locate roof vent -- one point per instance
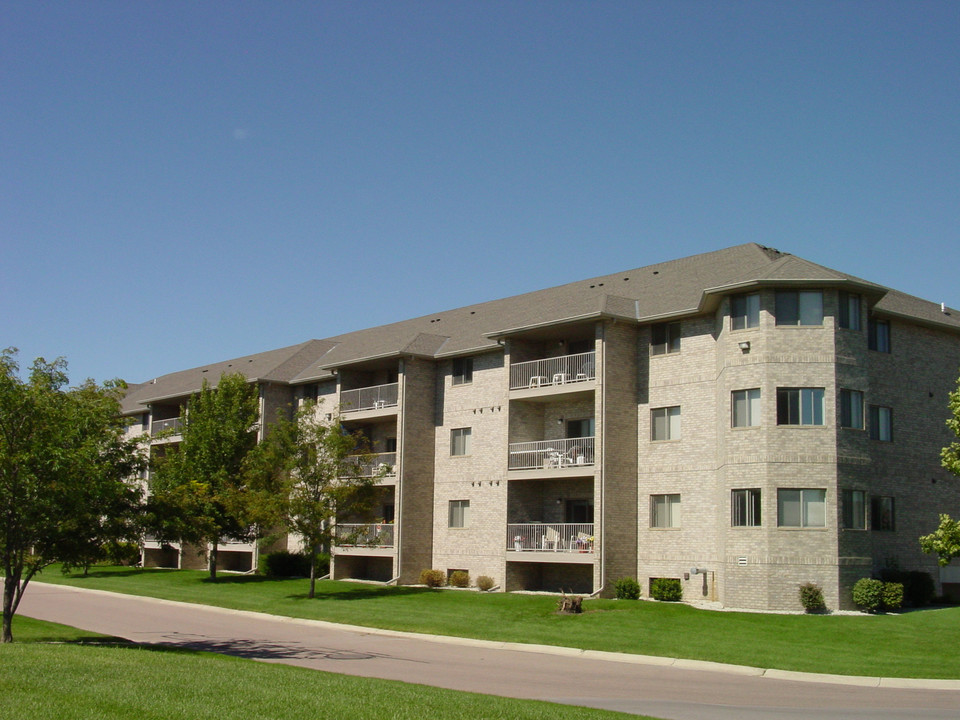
(943, 308)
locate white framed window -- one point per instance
(878, 335)
(745, 407)
(665, 338)
(459, 514)
(881, 423)
(849, 311)
(665, 423)
(806, 507)
(799, 406)
(745, 508)
(882, 516)
(665, 511)
(460, 441)
(744, 311)
(854, 509)
(462, 371)
(851, 409)
(799, 307)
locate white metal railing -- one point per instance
(168, 425)
(554, 371)
(551, 454)
(371, 465)
(364, 535)
(552, 537)
(369, 398)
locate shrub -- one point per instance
(121, 552)
(918, 587)
(284, 563)
(892, 596)
(666, 589)
(459, 578)
(627, 588)
(868, 594)
(432, 578)
(811, 597)
(484, 583)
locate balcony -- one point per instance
(364, 535)
(375, 397)
(170, 426)
(570, 454)
(546, 541)
(371, 465)
(554, 372)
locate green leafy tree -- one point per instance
(950, 455)
(65, 469)
(944, 542)
(306, 473)
(198, 489)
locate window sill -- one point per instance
(793, 528)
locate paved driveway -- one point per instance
(682, 691)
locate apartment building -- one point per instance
(743, 420)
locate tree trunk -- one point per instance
(213, 560)
(313, 576)
(9, 592)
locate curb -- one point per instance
(605, 655)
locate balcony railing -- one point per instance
(371, 465)
(378, 535)
(551, 537)
(551, 454)
(369, 398)
(553, 371)
(169, 425)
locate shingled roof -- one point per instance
(687, 286)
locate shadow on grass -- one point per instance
(366, 592)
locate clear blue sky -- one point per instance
(184, 182)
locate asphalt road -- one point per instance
(682, 691)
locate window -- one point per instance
(460, 441)
(745, 407)
(390, 444)
(854, 510)
(745, 311)
(881, 513)
(881, 423)
(462, 371)
(799, 307)
(459, 516)
(745, 508)
(665, 423)
(801, 508)
(665, 511)
(799, 406)
(849, 315)
(581, 428)
(665, 338)
(851, 409)
(578, 511)
(878, 335)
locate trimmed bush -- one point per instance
(811, 597)
(284, 563)
(459, 578)
(666, 589)
(868, 594)
(484, 583)
(918, 586)
(121, 552)
(627, 588)
(892, 596)
(432, 578)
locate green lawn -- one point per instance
(923, 643)
(80, 682)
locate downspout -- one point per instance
(603, 458)
(398, 488)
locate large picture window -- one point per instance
(799, 307)
(803, 508)
(799, 406)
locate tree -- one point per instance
(945, 540)
(198, 490)
(305, 473)
(65, 465)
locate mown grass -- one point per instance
(83, 682)
(922, 643)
